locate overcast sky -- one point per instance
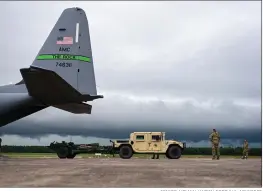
(179, 67)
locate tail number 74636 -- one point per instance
(63, 64)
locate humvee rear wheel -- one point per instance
(62, 153)
(126, 152)
(167, 155)
(71, 156)
(174, 152)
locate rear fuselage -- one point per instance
(14, 106)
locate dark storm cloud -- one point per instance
(193, 134)
(184, 120)
(116, 116)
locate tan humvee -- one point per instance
(148, 142)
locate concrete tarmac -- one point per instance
(110, 172)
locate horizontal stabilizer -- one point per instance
(48, 87)
(76, 108)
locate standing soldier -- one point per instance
(215, 140)
(245, 150)
(157, 154)
(112, 150)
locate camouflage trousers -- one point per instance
(155, 154)
(245, 153)
(215, 150)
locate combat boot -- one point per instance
(218, 158)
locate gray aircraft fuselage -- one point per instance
(14, 106)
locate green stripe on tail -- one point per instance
(63, 57)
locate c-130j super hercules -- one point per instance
(61, 76)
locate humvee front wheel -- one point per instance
(174, 152)
(62, 153)
(126, 152)
(71, 156)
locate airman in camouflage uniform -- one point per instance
(157, 154)
(215, 140)
(112, 151)
(245, 150)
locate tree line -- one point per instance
(188, 151)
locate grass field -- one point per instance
(53, 155)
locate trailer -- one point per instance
(70, 150)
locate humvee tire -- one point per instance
(126, 152)
(71, 156)
(167, 155)
(174, 152)
(62, 153)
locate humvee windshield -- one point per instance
(156, 137)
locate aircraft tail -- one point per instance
(67, 52)
(61, 75)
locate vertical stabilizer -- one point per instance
(67, 51)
